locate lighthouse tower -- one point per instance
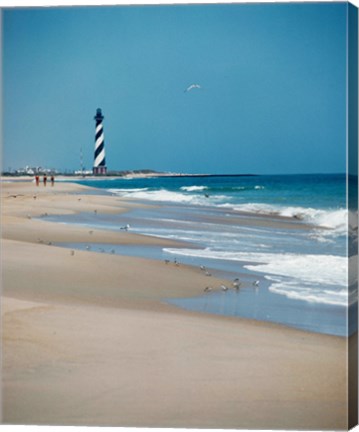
(99, 164)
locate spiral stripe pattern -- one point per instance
(99, 157)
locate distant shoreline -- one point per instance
(210, 175)
(144, 174)
(125, 175)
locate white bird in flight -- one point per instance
(191, 87)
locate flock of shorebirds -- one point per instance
(236, 284)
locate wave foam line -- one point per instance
(168, 196)
(193, 188)
(309, 277)
(335, 219)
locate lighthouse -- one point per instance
(99, 164)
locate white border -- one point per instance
(52, 3)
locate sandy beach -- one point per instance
(88, 340)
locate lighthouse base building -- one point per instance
(99, 165)
(101, 170)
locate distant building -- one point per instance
(83, 172)
(34, 170)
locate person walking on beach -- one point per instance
(45, 179)
(37, 180)
(52, 180)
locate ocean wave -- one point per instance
(127, 190)
(298, 290)
(333, 219)
(235, 189)
(308, 277)
(164, 195)
(193, 188)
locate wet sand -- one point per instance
(87, 339)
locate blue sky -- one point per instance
(272, 96)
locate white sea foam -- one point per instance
(164, 195)
(301, 290)
(309, 277)
(248, 188)
(161, 195)
(193, 188)
(127, 190)
(336, 220)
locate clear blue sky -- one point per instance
(273, 80)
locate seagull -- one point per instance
(208, 274)
(191, 87)
(256, 283)
(236, 283)
(207, 289)
(202, 267)
(224, 288)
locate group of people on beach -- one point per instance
(44, 179)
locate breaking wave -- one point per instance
(193, 188)
(307, 277)
(164, 195)
(332, 219)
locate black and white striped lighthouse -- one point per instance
(99, 164)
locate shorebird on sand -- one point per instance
(236, 283)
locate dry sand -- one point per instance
(88, 340)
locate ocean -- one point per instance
(284, 236)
